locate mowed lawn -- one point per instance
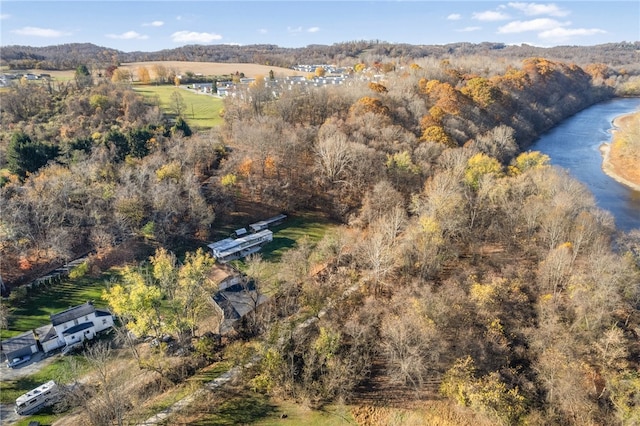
(35, 310)
(202, 111)
(239, 405)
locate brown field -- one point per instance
(205, 68)
(212, 68)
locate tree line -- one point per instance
(69, 56)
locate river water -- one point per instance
(574, 146)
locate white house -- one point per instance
(74, 325)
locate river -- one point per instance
(574, 146)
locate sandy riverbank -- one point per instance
(609, 166)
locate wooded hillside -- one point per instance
(467, 268)
(69, 56)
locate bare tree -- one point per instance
(103, 401)
(333, 157)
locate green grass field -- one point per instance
(202, 111)
(286, 235)
(35, 310)
(62, 370)
(243, 406)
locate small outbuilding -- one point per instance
(18, 346)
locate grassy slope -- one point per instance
(203, 111)
(61, 370)
(35, 310)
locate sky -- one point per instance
(150, 26)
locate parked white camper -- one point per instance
(38, 398)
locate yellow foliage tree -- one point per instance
(527, 161)
(143, 75)
(488, 393)
(137, 303)
(170, 171)
(368, 104)
(377, 87)
(481, 165)
(436, 133)
(228, 180)
(401, 161)
(481, 91)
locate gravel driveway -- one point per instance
(7, 414)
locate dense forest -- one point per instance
(462, 258)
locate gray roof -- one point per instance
(46, 333)
(18, 342)
(103, 313)
(237, 301)
(79, 327)
(72, 313)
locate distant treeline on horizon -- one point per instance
(69, 56)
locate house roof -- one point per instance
(72, 313)
(102, 313)
(46, 333)
(18, 342)
(79, 327)
(238, 300)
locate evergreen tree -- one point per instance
(26, 156)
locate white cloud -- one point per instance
(535, 9)
(40, 32)
(313, 30)
(561, 34)
(540, 24)
(194, 37)
(4, 16)
(454, 17)
(294, 29)
(153, 24)
(263, 31)
(468, 29)
(129, 35)
(490, 15)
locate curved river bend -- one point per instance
(574, 146)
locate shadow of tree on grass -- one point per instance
(242, 407)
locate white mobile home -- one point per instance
(264, 224)
(231, 249)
